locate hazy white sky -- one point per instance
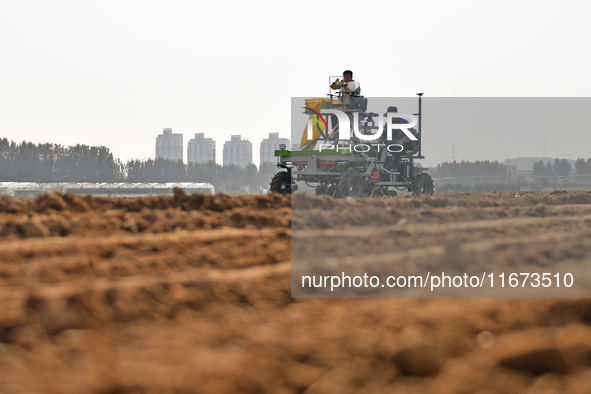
(116, 73)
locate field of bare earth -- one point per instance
(193, 293)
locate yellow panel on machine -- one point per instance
(316, 104)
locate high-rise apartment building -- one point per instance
(238, 151)
(201, 149)
(169, 146)
(270, 145)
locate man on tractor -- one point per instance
(348, 87)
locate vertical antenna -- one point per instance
(420, 123)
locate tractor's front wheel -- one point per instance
(422, 185)
(351, 184)
(281, 183)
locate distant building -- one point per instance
(238, 151)
(169, 146)
(270, 145)
(201, 149)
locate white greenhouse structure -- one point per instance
(104, 189)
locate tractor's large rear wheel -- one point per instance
(422, 185)
(351, 184)
(281, 183)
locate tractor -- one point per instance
(346, 151)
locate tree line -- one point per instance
(560, 167)
(583, 167)
(28, 162)
(467, 169)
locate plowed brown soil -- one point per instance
(192, 294)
